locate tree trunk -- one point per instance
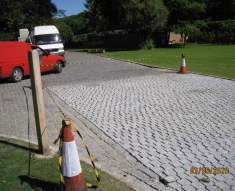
(167, 36)
(185, 36)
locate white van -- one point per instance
(48, 38)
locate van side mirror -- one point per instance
(28, 40)
(40, 54)
(40, 58)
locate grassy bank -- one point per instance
(216, 60)
(21, 170)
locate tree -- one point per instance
(130, 15)
(104, 14)
(186, 28)
(25, 14)
(65, 31)
(183, 13)
(220, 10)
(38, 12)
(60, 14)
(144, 16)
(78, 23)
(11, 15)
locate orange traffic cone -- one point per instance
(71, 178)
(183, 64)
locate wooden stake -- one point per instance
(38, 102)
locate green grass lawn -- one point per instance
(20, 170)
(216, 60)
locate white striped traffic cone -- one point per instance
(183, 64)
(71, 178)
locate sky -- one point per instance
(71, 7)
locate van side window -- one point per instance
(40, 51)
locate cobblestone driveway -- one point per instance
(167, 121)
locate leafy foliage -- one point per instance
(198, 20)
(220, 10)
(129, 15)
(25, 14)
(195, 19)
(65, 31)
(215, 32)
(77, 23)
(147, 44)
(146, 15)
(104, 14)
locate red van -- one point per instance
(14, 64)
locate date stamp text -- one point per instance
(209, 170)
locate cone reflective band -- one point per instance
(70, 165)
(183, 64)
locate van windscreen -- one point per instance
(47, 39)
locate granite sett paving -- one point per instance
(140, 123)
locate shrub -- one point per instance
(148, 44)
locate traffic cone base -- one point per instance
(183, 69)
(75, 183)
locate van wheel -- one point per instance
(16, 75)
(58, 67)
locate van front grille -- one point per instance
(52, 50)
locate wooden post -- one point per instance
(38, 102)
